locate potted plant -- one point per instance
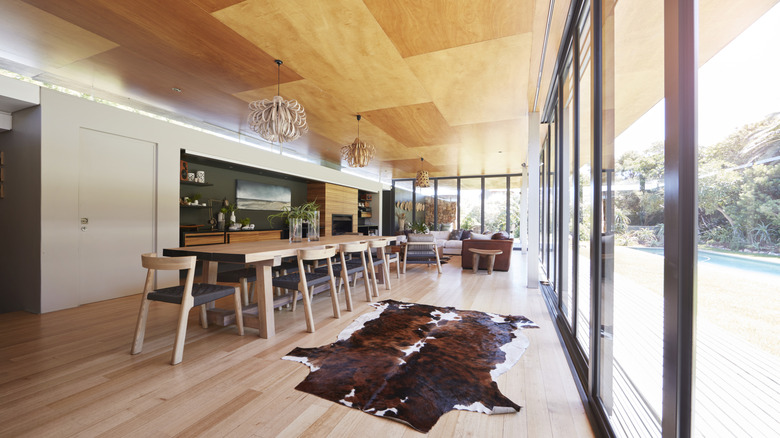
(420, 228)
(228, 208)
(295, 216)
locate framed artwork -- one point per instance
(252, 195)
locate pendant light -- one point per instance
(359, 153)
(277, 120)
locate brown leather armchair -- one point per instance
(502, 260)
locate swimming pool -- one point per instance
(755, 265)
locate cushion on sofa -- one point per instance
(455, 234)
(477, 236)
(501, 235)
(465, 234)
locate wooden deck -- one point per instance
(70, 373)
(737, 385)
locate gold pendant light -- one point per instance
(359, 153)
(422, 176)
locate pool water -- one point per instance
(770, 266)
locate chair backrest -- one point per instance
(377, 243)
(317, 253)
(422, 238)
(151, 261)
(353, 247)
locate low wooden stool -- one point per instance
(492, 253)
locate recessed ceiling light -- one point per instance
(176, 89)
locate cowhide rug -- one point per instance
(413, 362)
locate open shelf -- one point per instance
(195, 183)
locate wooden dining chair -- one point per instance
(378, 256)
(357, 264)
(187, 296)
(305, 282)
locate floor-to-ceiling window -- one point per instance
(614, 188)
(515, 210)
(496, 204)
(737, 392)
(403, 204)
(461, 203)
(471, 204)
(632, 206)
(568, 188)
(447, 203)
(584, 185)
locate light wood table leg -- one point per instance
(265, 298)
(475, 260)
(490, 264)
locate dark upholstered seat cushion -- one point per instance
(352, 267)
(201, 292)
(420, 254)
(290, 281)
(236, 275)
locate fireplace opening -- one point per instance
(342, 224)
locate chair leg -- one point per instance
(239, 309)
(307, 310)
(181, 334)
(295, 300)
(438, 262)
(140, 326)
(245, 290)
(204, 320)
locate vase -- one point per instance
(314, 227)
(296, 229)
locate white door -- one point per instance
(117, 180)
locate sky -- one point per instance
(739, 85)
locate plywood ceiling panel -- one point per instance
(414, 125)
(123, 72)
(338, 45)
(450, 80)
(38, 39)
(483, 82)
(417, 27)
(177, 34)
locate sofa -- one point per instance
(502, 260)
(447, 246)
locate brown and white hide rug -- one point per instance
(413, 362)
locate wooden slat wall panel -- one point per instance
(333, 199)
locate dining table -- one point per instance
(263, 256)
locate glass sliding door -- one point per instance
(423, 205)
(515, 210)
(471, 204)
(495, 204)
(584, 184)
(568, 190)
(737, 362)
(447, 203)
(403, 204)
(632, 205)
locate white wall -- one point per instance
(63, 116)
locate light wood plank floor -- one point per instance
(70, 373)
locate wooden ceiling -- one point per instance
(448, 80)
